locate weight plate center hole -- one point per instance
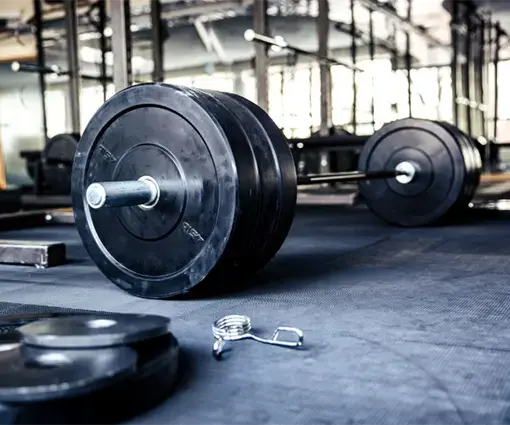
(100, 323)
(406, 172)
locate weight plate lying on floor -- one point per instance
(438, 185)
(94, 331)
(14, 321)
(33, 375)
(164, 132)
(157, 373)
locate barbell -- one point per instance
(176, 188)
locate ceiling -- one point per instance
(185, 48)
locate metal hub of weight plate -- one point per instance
(439, 184)
(164, 132)
(285, 173)
(35, 375)
(94, 331)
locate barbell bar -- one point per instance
(53, 70)
(176, 189)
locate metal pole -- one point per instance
(353, 59)
(261, 57)
(481, 79)
(121, 43)
(325, 69)
(468, 71)
(371, 47)
(455, 60)
(41, 62)
(157, 41)
(497, 47)
(408, 63)
(73, 64)
(102, 46)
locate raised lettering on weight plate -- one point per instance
(107, 155)
(191, 232)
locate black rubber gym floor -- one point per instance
(401, 326)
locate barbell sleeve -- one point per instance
(143, 192)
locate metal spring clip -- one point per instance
(237, 327)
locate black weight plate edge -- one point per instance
(51, 382)
(366, 154)
(51, 151)
(85, 331)
(468, 165)
(242, 244)
(159, 371)
(473, 165)
(285, 161)
(168, 97)
(270, 179)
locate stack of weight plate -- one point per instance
(85, 368)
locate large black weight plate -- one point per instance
(438, 185)
(162, 131)
(286, 172)
(269, 180)
(238, 257)
(94, 331)
(57, 160)
(33, 375)
(473, 163)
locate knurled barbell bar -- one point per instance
(173, 187)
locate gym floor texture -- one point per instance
(401, 325)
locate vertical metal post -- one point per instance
(41, 62)
(455, 60)
(157, 41)
(102, 46)
(121, 43)
(468, 68)
(481, 77)
(73, 64)
(354, 54)
(261, 56)
(497, 48)
(371, 48)
(325, 69)
(408, 63)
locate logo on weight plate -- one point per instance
(107, 155)
(191, 232)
